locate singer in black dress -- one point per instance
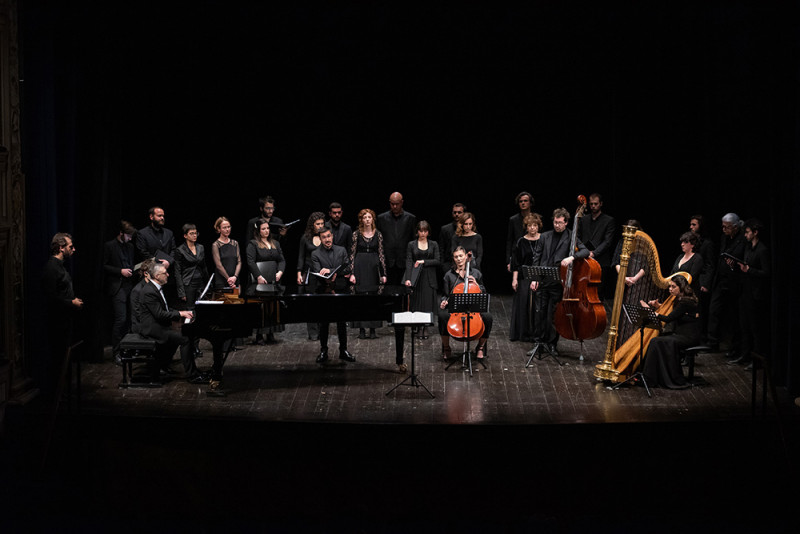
(523, 305)
(423, 254)
(367, 265)
(263, 248)
(227, 258)
(467, 236)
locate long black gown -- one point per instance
(523, 305)
(424, 297)
(662, 362)
(256, 255)
(368, 265)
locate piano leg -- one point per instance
(215, 384)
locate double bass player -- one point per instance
(553, 249)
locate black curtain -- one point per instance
(668, 110)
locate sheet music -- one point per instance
(208, 285)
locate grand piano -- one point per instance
(227, 315)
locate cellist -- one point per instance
(452, 278)
(553, 249)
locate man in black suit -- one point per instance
(553, 250)
(326, 259)
(398, 227)
(342, 232)
(597, 231)
(118, 263)
(266, 205)
(154, 237)
(516, 228)
(155, 321)
(60, 306)
(754, 298)
(446, 233)
(723, 311)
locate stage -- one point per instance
(296, 445)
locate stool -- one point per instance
(689, 355)
(136, 348)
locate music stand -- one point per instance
(468, 303)
(412, 380)
(541, 273)
(641, 318)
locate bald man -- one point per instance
(397, 227)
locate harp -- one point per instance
(623, 352)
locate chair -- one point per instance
(689, 354)
(136, 348)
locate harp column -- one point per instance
(605, 370)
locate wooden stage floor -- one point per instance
(296, 447)
(282, 382)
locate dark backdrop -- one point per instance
(668, 110)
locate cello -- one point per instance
(580, 315)
(466, 326)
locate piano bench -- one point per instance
(135, 348)
(689, 354)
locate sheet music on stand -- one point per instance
(468, 303)
(641, 316)
(541, 273)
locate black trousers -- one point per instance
(120, 307)
(723, 314)
(550, 294)
(341, 332)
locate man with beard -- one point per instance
(342, 232)
(60, 307)
(447, 231)
(266, 206)
(326, 259)
(597, 231)
(553, 250)
(516, 228)
(118, 268)
(154, 237)
(754, 298)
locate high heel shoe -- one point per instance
(446, 353)
(480, 352)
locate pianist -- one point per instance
(155, 321)
(329, 268)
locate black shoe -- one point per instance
(362, 334)
(117, 360)
(749, 366)
(323, 356)
(737, 360)
(167, 371)
(553, 349)
(313, 338)
(372, 334)
(346, 356)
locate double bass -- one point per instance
(466, 326)
(580, 315)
